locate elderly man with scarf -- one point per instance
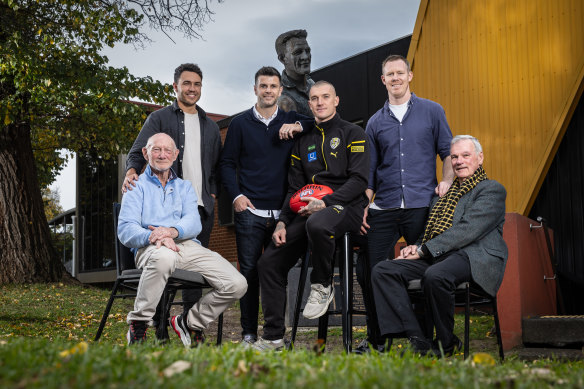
(462, 241)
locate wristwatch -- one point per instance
(423, 251)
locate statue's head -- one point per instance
(294, 53)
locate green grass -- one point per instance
(46, 334)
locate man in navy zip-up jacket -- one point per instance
(254, 168)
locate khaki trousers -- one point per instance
(158, 264)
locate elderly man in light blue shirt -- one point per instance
(159, 219)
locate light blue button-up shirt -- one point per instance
(151, 204)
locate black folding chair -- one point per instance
(467, 295)
(128, 278)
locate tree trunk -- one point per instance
(26, 251)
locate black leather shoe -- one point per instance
(420, 345)
(453, 347)
(365, 347)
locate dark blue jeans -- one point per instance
(386, 227)
(252, 235)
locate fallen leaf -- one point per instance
(176, 368)
(155, 354)
(482, 359)
(79, 348)
(241, 368)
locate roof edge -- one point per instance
(558, 131)
(417, 32)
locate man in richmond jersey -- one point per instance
(334, 153)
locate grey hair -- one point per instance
(475, 141)
(150, 142)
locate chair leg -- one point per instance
(467, 321)
(498, 329)
(322, 331)
(167, 298)
(108, 308)
(299, 296)
(346, 277)
(350, 308)
(220, 329)
(371, 309)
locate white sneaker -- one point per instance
(268, 345)
(318, 301)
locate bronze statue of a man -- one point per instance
(294, 53)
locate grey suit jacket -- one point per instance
(477, 229)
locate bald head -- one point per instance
(160, 152)
(323, 101)
(160, 137)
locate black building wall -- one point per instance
(560, 202)
(358, 80)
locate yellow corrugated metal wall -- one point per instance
(508, 72)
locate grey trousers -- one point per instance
(158, 264)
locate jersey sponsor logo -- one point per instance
(334, 154)
(311, 156)
(357, 149)
(311, 147)
(335, 142)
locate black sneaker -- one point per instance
(249, 338)
(137, 332)
(362, 348)
(198, 338)
(365, 347)
(179, 325)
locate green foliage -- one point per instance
(51, 202)
(54, 77)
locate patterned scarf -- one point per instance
(440, 218)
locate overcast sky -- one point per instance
(241, 40)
